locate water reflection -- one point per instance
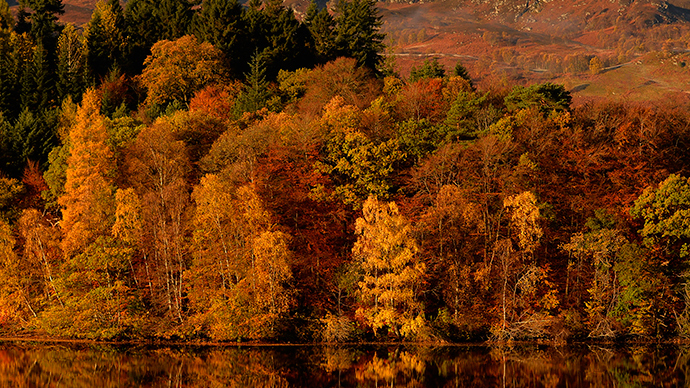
(74, 365)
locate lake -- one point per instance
(30, 364)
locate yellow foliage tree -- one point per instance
(525, 218)
(392, 271)
(241, 268)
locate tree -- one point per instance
(220, 22)
(595, 65)
(157, 167)
(256, 93)
(429, 69)
(44, 27)
(666, 214)
(461, 71)
(143, 30)
(38, 91)
(387, 256)
(11, 298)
(87, 202)
(357, 32)
(359, 166)
(105, 38)
(6, 18)
(546, 97)
(176, 70)
(321, 26)
(72, 64)
(16, 59)
(174, 17)
(241, 264)
(599, 247)
(286, 40)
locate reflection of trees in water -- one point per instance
(366, 366)
(399, 369)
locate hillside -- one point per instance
(550, 41)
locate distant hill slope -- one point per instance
(567, 16)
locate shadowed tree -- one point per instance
(357, 32)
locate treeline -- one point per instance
(43, 62)
(335, 203)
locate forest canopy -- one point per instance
(213, 171)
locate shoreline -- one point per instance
(430, 344)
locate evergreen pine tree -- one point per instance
(286, 40)
(256, 25)
(142, 29)
(357, 32)
(44, 17)
(175, 17)
(256, 93)
(105, 38)
(321, 26)
(220, 23)
(461, 71)
(431, 68)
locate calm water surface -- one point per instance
(25, 364)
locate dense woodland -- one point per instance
(212, 171)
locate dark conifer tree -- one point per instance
(357, 32)
(43, 18)
(142, 31)
(174, 17)
(287, 40)
(256, 93)
(321, 26)
(220, 22)
(43, 82)
(10, 86)
(105, 39)
(256, 25)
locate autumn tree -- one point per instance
(597, 248)
(388, 258)
(526, 296)
(340, 77)
(157, 166)
(6, 18)
(87, 202)
(11, 301)
(241, 263)
(360, 166)
(176, 70)
(666, 214)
